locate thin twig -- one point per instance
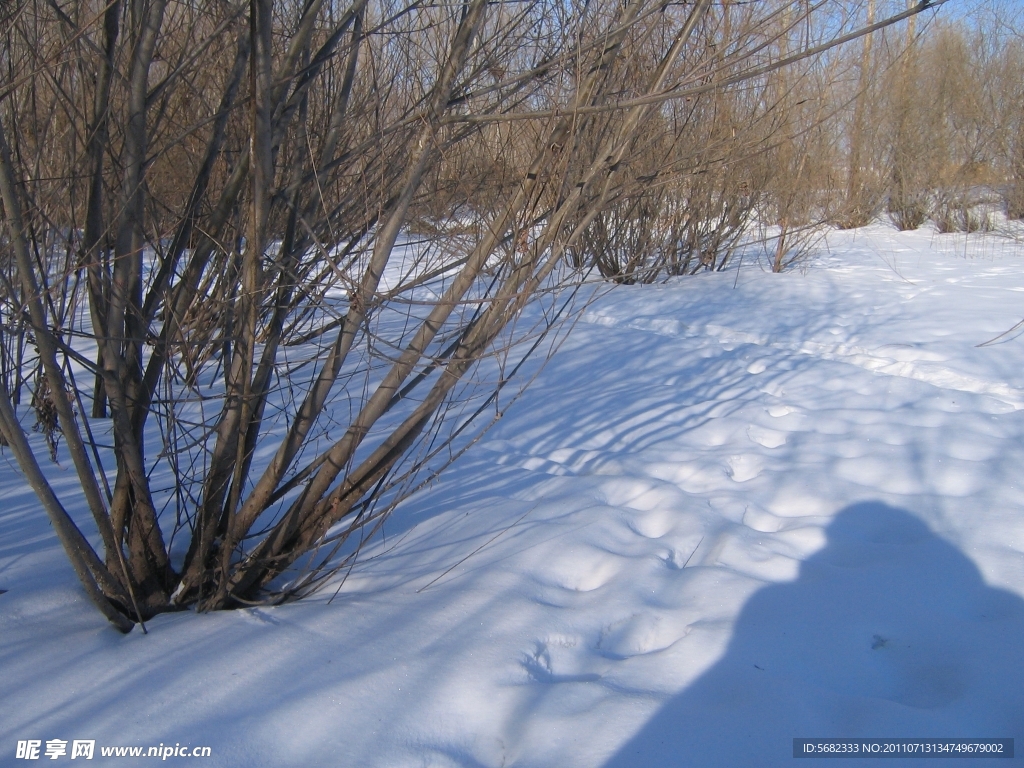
(495, 536)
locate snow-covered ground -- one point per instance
(731, 511)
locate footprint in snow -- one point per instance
(640, 634)
(769, 438)
(743, 467)
(555, 661)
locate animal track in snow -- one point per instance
(762, 521)
(745, 466)
(580, 568)
(557, 660)
(769, 438)
(899, 360)
(653, 524)
(640, 634)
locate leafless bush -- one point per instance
(958, 212)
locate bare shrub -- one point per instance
(960, 213)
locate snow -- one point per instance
(732, 510)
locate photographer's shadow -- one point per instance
(889, 631)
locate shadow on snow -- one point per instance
(889, 631)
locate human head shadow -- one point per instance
(888, 631)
